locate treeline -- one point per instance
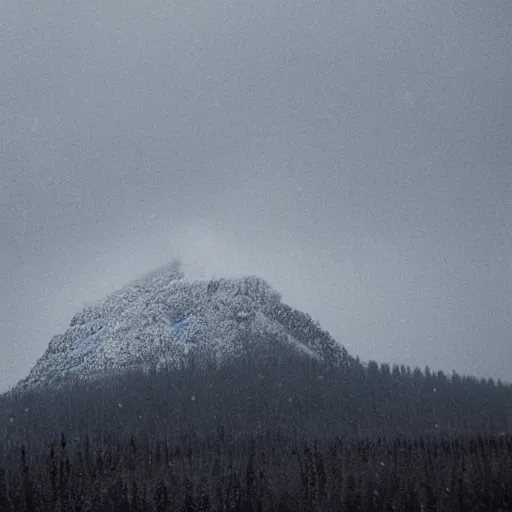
(272, 472)
(268, 429)
(265, 386)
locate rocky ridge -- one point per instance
(163, 319)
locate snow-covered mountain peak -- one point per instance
(162, 318)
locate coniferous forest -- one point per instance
(267, 430)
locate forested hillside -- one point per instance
(269, 429)
(267, 472)
(265, 386)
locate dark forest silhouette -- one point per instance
(269, 429)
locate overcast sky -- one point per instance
(357, 155)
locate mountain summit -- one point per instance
(163, 319)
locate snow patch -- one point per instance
(88, 343)
(179, 324)
(165, 317)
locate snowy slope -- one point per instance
(162, 318)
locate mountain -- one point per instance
(164, 320)
(287, 421)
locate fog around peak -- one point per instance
(355, 156)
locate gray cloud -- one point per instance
(356, 156)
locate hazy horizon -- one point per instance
(357, 157)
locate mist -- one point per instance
(356, 156)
